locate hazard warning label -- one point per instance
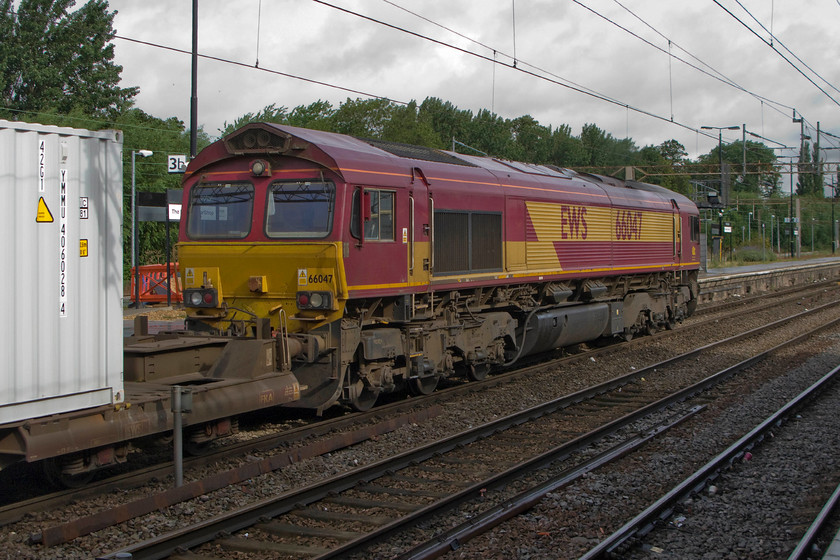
(44, 215)
(302, 277)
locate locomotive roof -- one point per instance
(353, 157)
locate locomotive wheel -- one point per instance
(478, 372)
(423, 385)
(364, 396)
(364, 399)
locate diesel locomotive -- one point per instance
(359, 267)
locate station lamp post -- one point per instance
(749, 226)
(134, 245)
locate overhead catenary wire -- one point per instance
(712, 72)
(786, 59)
(775, 105)
(560, 81)
(772, 38)
(267, 70)
(519, 68)
(259, 22)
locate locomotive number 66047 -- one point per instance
(376, 266)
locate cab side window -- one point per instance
(378, 208)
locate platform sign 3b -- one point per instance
(176, 163)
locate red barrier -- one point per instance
(153, 283)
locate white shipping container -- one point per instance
(61, 341)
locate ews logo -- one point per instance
(573, 222)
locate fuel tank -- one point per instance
(564, 326)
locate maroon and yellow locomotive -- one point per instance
(372, 266)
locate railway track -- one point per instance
(396, 412)
(578, 363)
(441, 465)
(645, 523)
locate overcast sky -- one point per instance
(577, 43)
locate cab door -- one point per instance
(677, 232)
(377, 255)
(417, 234)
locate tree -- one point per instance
(317, 115)
(761, 176)
(566, 150)
(362, 117)
(145, 132)
(406, 126)
(603, 150)
(532, 141)
(55, 60)
(673, 151)
(810, 181)
(446, 120)
(271, 114)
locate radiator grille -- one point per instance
(467, 242)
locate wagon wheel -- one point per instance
(53, 470)
(423, 385)
(197, 448)
(363, 396)
(478, 372)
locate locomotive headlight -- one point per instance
(201, 297)
(260, 168)
(314, 300)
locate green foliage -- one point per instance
(270, 114)
(317, 115)
(745, 256)
(761, 179)
(406, 126)
(52, 60)
(163, 137)
(810, 177)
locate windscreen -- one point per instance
(300, 209)
(220, 211)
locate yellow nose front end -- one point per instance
(227, 286)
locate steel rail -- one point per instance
(803, 549)
(11, 513)
(204, 532)
(14, 512)
(483, 522)
(664, 507)
(487, 520)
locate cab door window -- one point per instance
(378, 217)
